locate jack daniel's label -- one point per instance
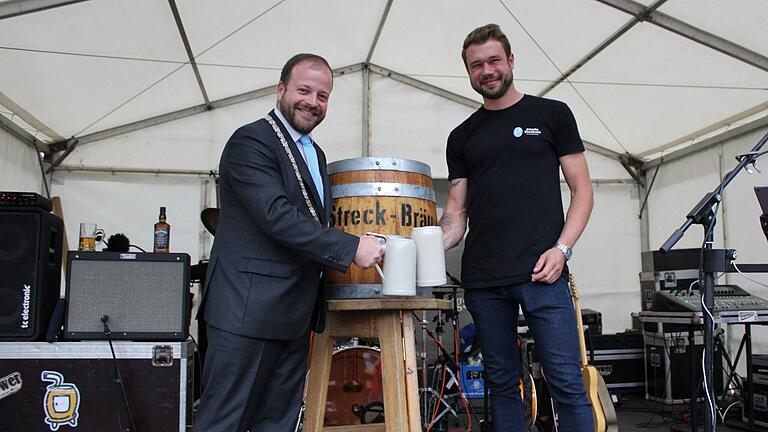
(161, 238)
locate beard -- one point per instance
(501, 90)
(297, 119)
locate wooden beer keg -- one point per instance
(381, 195)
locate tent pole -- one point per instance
(366, 99)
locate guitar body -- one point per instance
(527, 388)
(603, 412)
(591, 377)
(529, 398)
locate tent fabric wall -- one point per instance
(607, 261)
(196, 142)
(412, 125)
(91, 66)
(682, 183)
(743, 231)
(678, 187)
(129, 204)
(606, 258)
(121, 202)
(19, 166)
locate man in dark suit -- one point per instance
(264, 290)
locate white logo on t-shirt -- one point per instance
(518, 132)
(532, 131)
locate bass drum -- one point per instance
(354, 387)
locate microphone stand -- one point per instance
(703, 214)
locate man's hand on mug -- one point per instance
(369, 252)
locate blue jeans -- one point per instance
(548, 310)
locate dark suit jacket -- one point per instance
(264, 274)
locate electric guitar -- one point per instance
(602, 406)
(527, 389)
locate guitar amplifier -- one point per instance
(145, 296)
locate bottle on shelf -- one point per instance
(162, 237)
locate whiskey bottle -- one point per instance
(162, 234)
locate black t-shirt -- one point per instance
(510, 160)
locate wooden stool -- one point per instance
(391, 321)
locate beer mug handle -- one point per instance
(381, 273)
(383, 242)
(381, 236)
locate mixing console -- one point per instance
(727, 298)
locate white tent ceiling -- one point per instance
(643, 78)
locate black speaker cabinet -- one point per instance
(145, 296)
(668, 370)
(30, 271)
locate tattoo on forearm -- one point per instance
(456, 182)
(446, 221)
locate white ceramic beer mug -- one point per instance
(399, 275)
(430, 256)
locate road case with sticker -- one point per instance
(760, 390)
(72, 386)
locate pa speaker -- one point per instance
(141, 296)
(30, 271)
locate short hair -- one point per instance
(482, 35)
(285, 74)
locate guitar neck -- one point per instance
(580, 325)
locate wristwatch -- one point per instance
(567, 251)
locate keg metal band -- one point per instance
(374, 163)
(383, 189)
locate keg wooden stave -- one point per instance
(388, 196)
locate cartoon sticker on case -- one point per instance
(61, 402)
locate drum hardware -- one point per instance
(210, 219)
(354, 387)
(300, 420)
(432, 400)
(372, 413)
(444, 401)
(441, 410)
(197, 271)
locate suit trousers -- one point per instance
(251, 384)
(548, 310)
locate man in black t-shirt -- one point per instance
(503, 164)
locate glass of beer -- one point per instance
(87, 237)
